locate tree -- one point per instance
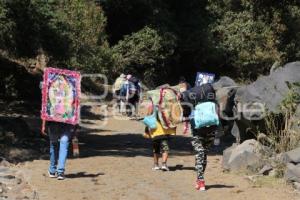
(144, 53)
(248, 40)
(6, 27)
(254, 34)
(82, 23)
(291, 37)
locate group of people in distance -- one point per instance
(127, 90)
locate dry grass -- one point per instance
(279, 132)
(279, 135)
(267, 181)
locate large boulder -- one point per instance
(270, 90)
(227, 156)
(292, 172)
(291, 156)
(225, 89)
(224, 81)
(243, 157)
(265, 94)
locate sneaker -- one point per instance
(200, 185)
(60, 176)
(164, 167)
(51, 175)
(155, 168)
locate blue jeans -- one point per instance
(59, 150)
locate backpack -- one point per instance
(169, 108)
(123, 90)
(151, 120)
(205, 115)
(134, 87)
(118, 84)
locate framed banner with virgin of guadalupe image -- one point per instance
(61, 96)
(204, 77)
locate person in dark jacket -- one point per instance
(203, 138)
(60, 135)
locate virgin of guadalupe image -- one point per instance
(61, 98)
(205, 79)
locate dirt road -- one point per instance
(116, 163)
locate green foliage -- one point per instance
(70, 32)
(129, 16)
(291, 37)
(73, 33)
(144, 53)
(151, 38)
(292, 99)
(30, 19)
(83, 24)
(255, 34)
(6, 26)
(280, 134)
(249, 42)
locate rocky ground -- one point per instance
(13, 184)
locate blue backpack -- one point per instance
(205, 115)
(151, 120)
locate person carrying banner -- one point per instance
(60, 115)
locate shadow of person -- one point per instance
(83, 175)
(180, 167)
(218, 186)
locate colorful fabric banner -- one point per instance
(61, 96)
(203, 78)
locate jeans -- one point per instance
(59, 145)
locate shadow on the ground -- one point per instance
(218, 186)
(133, 144)
(92, 116)
(20, 141)
(180, 167)
(128, 145)
(87, 122)
(83, 175)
